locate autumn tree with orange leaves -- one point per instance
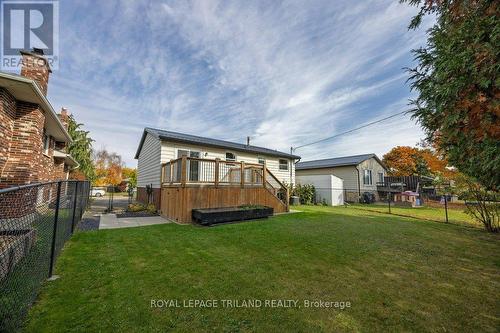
(108, 168)
(410, 161)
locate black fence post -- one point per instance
(74, 208)
(89, 194)
(389, 201)
(54, 235)
(446, 207)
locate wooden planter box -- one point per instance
(17, 246)
(209, 216)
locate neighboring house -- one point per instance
(360, 173)
(33, 138)
(208, 163)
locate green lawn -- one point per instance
(455, 215)
(399, 274)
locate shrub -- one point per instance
(306, 193)
(136, 207)
(482, 205)
(151, 208)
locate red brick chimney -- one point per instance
(35, 66)
(64, 117)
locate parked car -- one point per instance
(97, 192)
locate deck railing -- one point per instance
(191, 171)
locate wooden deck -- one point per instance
(191, 183)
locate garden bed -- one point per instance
(136, 214)
(209, 216)
(14, 245)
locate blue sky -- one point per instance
(282, 72)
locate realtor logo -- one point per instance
(27, 25)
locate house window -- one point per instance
(193, 166)
(46, 144)
(283, 164)
(261, 160)
(380, 177)
(230, 157)
(367, 177)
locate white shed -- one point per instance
(328, 188)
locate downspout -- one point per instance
(359, 183)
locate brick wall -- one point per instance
(7, 117)
(22, 156)
(25, 146)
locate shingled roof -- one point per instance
(203, 141)
(336, 162)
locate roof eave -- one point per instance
(44, 103)
(277, 154)
(141, 143)
(160, 137)
(325, 166)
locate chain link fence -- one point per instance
(424, 205)
(35, 222)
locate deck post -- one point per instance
(171, 171)
(264, 168)
(287, 198)
(242, 174)
(216, 174)
(162, 176)
(183, 170)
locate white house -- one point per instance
(360, 173)
(158, 147)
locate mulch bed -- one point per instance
(89, 223)
(135, 214)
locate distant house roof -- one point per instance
(336, 162)
(198, 140)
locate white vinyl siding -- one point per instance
(149, 163)
(169, 152)
(349, 174)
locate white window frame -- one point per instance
(259, 159)
(369, 173)
(189, 151)
(230, 160)
(383, 175)
(280, 165)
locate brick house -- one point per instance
(33, 137)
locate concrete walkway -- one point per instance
(110, 221)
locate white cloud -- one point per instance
(283, 73)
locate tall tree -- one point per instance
(81, 150)
(131, 175)
(408, 161)
(108, 168)
(458, 86)
(405, 161)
